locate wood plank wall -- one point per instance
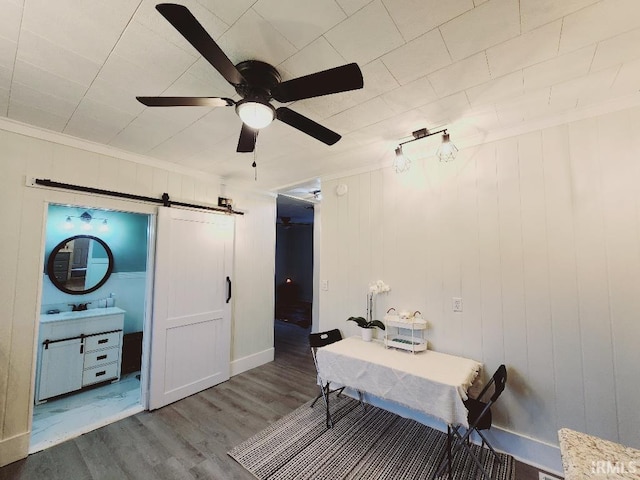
(22, 210)
(540, 236)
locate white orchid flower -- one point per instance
(378, 287)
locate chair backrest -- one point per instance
(321, 339)
(499, 379)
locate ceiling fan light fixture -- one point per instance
(256, 83)
(256, 114)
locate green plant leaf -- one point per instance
(362, 323)
(377, 323)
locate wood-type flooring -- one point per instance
(189, 439)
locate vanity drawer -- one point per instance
(100, 374)
(101, 357)
(104, 340)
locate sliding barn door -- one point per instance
(191, 327)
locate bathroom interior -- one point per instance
(95, 288)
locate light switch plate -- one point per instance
(457, 304)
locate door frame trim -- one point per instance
(147, 321)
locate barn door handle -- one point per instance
(228, 289)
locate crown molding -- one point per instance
(383, 157)
(27, 130)
(534, 125)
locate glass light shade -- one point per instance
(401, 163)
(86, 221)
(68, 224)
(104, 227)
(447, 150)
(255, 114)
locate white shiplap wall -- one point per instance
(540, 236)
(22, 210)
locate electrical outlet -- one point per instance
(324, 285)
(457, 304)
(546, 476)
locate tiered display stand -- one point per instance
(405, 333)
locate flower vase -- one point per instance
(367, 334)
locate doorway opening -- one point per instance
(294, 270)
(95, 290)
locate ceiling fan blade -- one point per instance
(183, 20)
(186, 101)
(307, 126)
(335, 80)
(247, 140)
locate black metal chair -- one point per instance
(317, 340)
(479, 418)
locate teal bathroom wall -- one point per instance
(126, 236)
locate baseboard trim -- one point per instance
(531, 451)
(252, 361)
(540, 455)
(14, 448)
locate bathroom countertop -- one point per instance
(585, 456)
(92, 312)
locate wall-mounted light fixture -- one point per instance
(85, 218)
(401, 163)
(85, 222)
(446, 152)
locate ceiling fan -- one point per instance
(257, 83)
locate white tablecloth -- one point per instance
(430, 382)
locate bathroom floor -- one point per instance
(70, 416)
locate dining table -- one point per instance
(430, 382)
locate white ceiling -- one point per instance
(473, 66)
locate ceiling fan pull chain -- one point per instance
(255, 156)
(255, 166)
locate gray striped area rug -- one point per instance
(372, 445)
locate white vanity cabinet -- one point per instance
(77, 349)
(102, 357)
(61, 368)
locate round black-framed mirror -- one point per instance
(80, 264)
